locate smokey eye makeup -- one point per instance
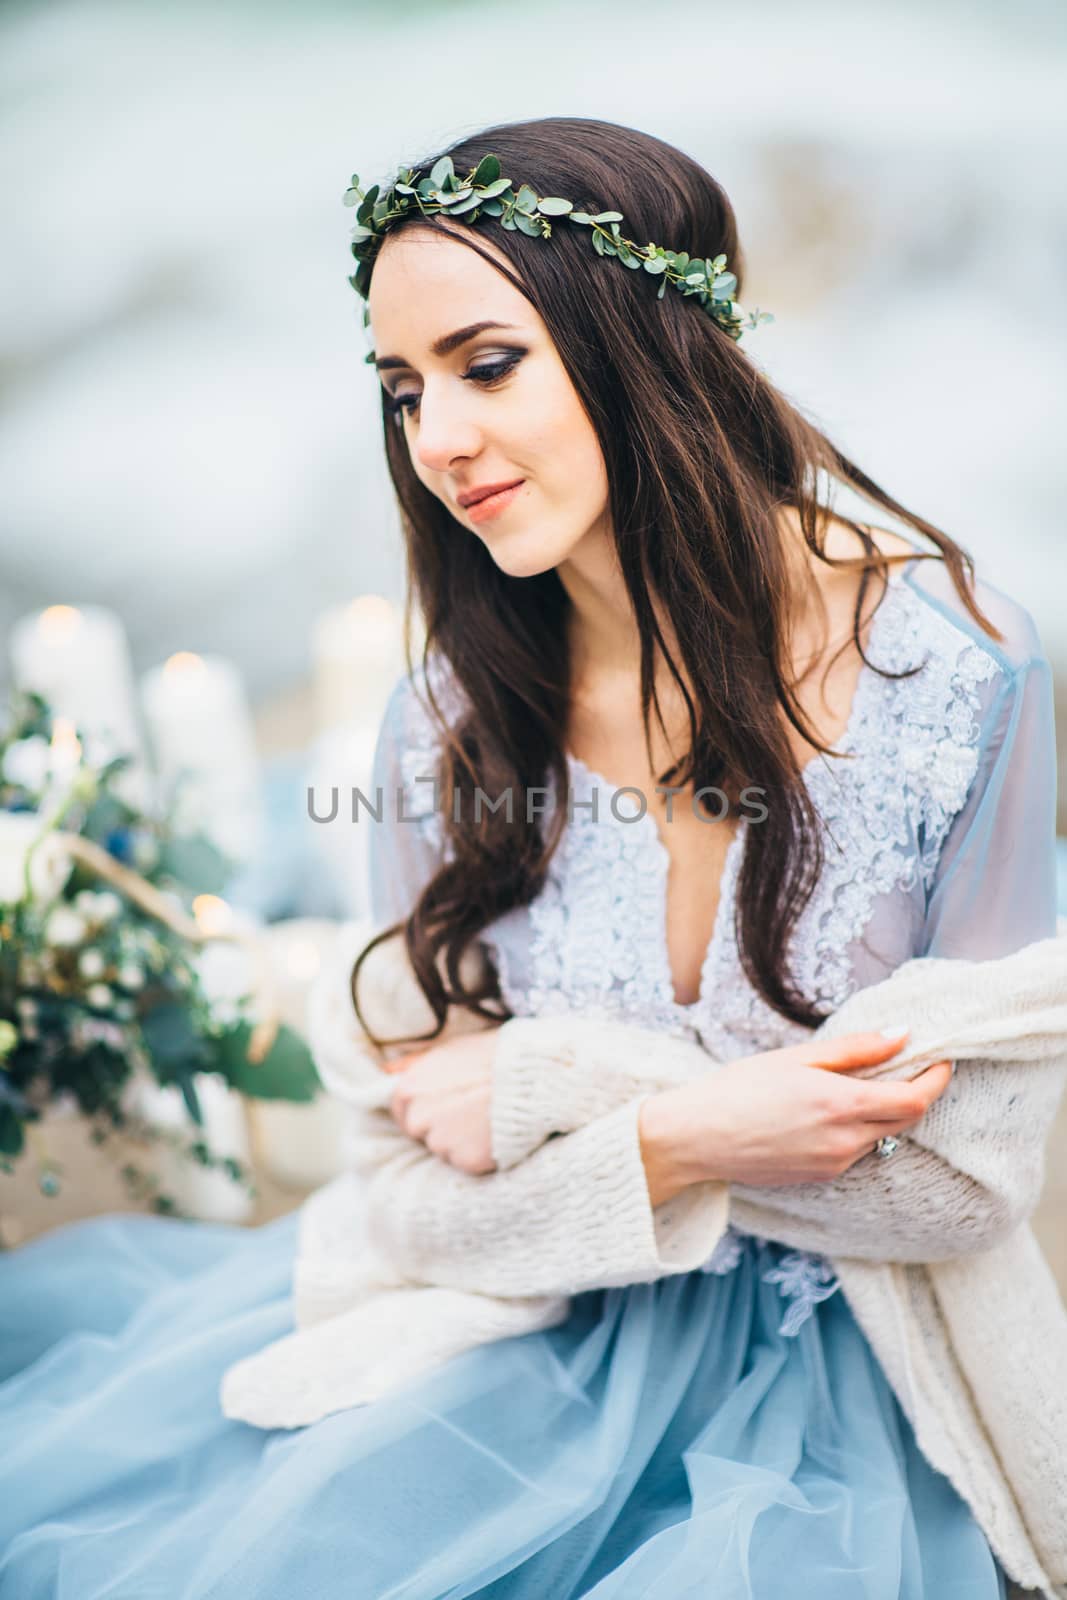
(485, 373)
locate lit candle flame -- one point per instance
(213, 914)
(183, 661)
(65, 745)
(57, 623)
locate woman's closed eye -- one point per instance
(487, 373)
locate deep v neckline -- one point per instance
(645, 827)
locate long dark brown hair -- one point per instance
(702, 453)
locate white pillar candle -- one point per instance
(77, 657)
(358, 652)
(210, 1195)
(299, 1145)
(200, 726)
(228, 973)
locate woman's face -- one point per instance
(496, 408)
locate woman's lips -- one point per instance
(493, 504)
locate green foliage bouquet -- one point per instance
(102, 964)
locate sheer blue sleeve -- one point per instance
(404, 846)
(994, 888)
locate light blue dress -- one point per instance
(722, 1432)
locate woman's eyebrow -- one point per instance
(445, 345)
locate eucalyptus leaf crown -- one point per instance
(483, 192)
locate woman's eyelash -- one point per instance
(487, 373)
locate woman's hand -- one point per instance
(443, 1097)
(769, 1120)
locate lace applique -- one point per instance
(726, 1254)
(802, 1277)
(594, 939)
(887, 811)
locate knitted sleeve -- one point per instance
(576, 1215)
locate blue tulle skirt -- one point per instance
(667, 1440)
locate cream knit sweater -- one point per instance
(405, 1261)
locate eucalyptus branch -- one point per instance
(483, 192)
(156, 904)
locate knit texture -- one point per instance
(404, 1261)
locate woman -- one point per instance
(725, 1430)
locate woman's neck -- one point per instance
(605, 645)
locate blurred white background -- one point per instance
(188, 434)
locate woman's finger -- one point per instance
(907, 1098)
(854, 1050)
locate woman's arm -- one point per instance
(491, 1234)
(980, 1146)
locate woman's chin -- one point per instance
(521, 555)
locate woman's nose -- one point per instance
(446, 433)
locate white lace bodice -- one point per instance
(594, 940)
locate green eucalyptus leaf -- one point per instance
(355, 180)
(598, 243)
(287, 1071)
(442, 170)
(351, 197)
(581, 216)
(492, 208)
(631, 261)
(661, 289)
(466, 204)
(608, 248)
(526, 225)
(498, 186)
(172, 1040)
(404, 188)
(526, 199)
(488, 170)
(11, 1134)
(608, 216)
(367, 207)
(187, 1086)
(194, 862)
(450, 199)
(695, 277)
(508, 222)
(656, 265)
(554, 207)
(359, 233)
(426, 187)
